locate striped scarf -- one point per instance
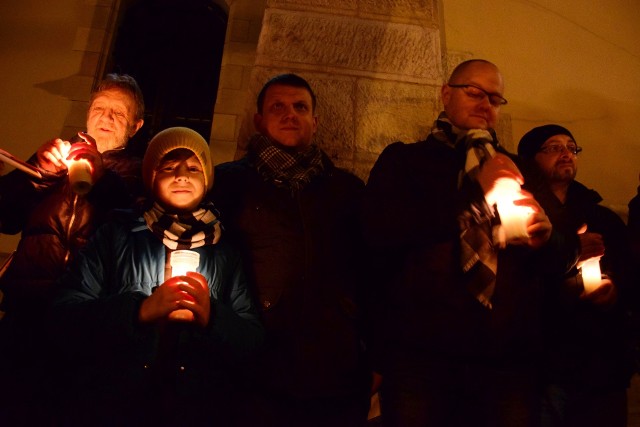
(478, 222)
(184, 231)
(285, 168)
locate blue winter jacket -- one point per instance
(108, 356)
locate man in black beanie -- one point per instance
(587, 359)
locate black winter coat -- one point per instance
(588, 346)
(301, 253)
(410, 212)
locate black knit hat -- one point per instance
(531, 142)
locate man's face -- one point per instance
(179, 184)
(473, 112)
(560, 166)
(287, 116)
(111, 119)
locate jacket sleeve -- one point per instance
(235, 318)
(19, 196)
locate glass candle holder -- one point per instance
(591, 274)
(184, 260)
(80, 176)
(513, 218)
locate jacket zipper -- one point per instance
(71, 221)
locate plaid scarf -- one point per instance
(478, 222)
(284, 168)
(184, 231)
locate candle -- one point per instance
(182, 261)
(591, 275)
(513, 218)
(80, 176)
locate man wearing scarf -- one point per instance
(293, 214)
(457, 343)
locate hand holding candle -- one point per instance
(513, 218)
(182, 262)
(181, 298)
(186, 288)
(84, 163)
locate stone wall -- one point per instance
(376, 68)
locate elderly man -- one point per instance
(294, 215)
(457, 343)
(55, 222)
(588, 356)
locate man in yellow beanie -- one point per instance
(157, 349)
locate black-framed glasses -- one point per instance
(478, 94)
(559, 148)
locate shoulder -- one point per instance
(231, 175)
(235, 167)
(415, 150)
(340, 175)
(122, 162)
(428, 156)
(120, 224)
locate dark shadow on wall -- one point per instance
(173, 48)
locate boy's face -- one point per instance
(179, 184)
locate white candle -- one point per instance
(80, 176)
(182, 261)
(591, 275)
(513, 218)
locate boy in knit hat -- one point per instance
(149, 348)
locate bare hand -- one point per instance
(87, 150)
(604, 296)
(181, 298)
(499, 166)
(52, 155)
(591, 245)
(538, 224)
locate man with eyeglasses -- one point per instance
(456, 342)
(588, 359)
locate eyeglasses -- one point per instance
(478, 94)
(559, 148)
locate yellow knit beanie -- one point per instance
(171, 139)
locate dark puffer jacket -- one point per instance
(301, 254)
(55, 223)
(118, 371)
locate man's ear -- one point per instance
(445, 93)
(136, 127)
